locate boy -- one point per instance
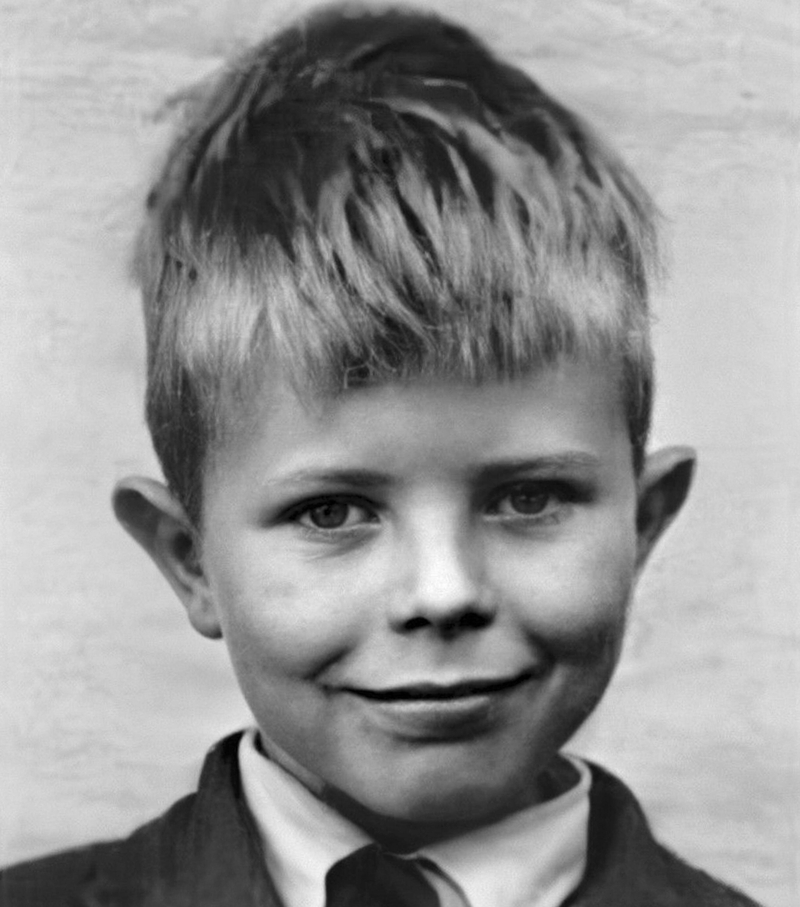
(399, 381)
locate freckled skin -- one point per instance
(430, 532)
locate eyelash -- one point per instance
(555, 495)
(297, 513)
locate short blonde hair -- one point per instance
(373, 196)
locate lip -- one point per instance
(430, 712)
(434, 691)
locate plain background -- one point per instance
(109, 700)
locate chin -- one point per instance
(422, 804)
(469, 802)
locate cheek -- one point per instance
(573, 596)
(285, 614)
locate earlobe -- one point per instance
(662, 490)
(150, 514)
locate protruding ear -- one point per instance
(662, 489)
(148, 511)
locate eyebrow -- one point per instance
(365, 479)
(549, 464)
(357, 478)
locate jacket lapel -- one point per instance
(627, 867)
(204, 852)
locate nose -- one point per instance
(445, 589)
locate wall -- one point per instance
(110, 700)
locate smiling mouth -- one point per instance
(443, 692)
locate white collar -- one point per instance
(535, 857)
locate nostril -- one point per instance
(416, 623)
(473, 620)
(465, 622)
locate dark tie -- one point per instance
(371, 878)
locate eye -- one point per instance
(529, 499)
(330, 514)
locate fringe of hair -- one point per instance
(354, 229)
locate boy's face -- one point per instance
(423, 587)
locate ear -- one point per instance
(150, 514)
(662, 488)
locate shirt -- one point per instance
(535, 857)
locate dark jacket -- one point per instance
(205, 852)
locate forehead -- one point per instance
(571, 406)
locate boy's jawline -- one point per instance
(400, 836)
